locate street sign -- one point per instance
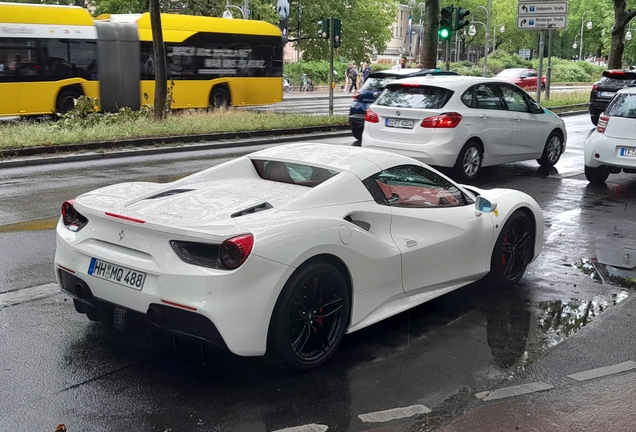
(551, 8)
(542, 22)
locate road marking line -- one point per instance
(306, 428)
(13, 298)
(513, 391)
(393, 414)
(604, 371)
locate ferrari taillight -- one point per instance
(234, 251)
(446, 120)
(71, 218)
(371, 117)
(602, 123)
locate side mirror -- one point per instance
(482, 205)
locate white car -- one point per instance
(463, 122)
(283, 251)
(612, 146)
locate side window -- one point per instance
(482, 96)
(515, 99)
(415, 187)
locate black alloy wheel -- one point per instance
(513, 250)
(310, 317)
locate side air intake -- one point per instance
(253, 209)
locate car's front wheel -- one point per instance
(513, 250)
(310, 317)
(552, 150)
(469, 161)
(596, 175)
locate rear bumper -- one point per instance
(598, 106)
(441, 153)
(230, 309)
(356, 121)
(608, 151)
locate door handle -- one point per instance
(518, 118)
(483, 116)
(411, 243)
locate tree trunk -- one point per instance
(622, 17)
(159, 49)
(429, 51)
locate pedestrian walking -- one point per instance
(366, 71)
(353, 78)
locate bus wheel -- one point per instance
(65, 101)
(220, 98)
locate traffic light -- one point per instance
(323, 26)
(445, 22)
(337, 30)
(460, 21)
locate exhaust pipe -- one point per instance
(82, 291)
(154, 315)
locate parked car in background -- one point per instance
(611, 148)
(463, 122)
(373, 86)
(604, 89)
(524, 78)
(283, 251)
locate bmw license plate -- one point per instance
(399, 123)
(117, 274)
(627, 151)
(606, 94)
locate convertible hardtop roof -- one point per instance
(360, 161)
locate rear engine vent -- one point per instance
(253, 209)
(169, 193)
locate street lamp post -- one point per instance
(589, 27)
(486, 44)
(244, 10)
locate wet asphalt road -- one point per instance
(57, 367)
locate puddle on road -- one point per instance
(35, 225)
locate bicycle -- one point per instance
(288, 85)
(306, 83)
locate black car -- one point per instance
(373, 86)
(604, 90)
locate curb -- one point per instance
(157, 145)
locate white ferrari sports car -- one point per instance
(283, 251)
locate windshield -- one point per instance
(509, 73)
(403, 96)
(623, 105)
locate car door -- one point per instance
(442, 240)
(528, 127)
(490, 113)
(529, 80)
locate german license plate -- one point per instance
(606, 94)
(399, 123)
(628, 151)
(117, 274)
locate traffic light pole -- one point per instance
(331, 82)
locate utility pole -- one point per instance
(331, 82)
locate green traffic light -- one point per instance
(444, 33)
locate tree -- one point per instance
(622, 17)
(429, 39)
(366, 27)
(161, 69)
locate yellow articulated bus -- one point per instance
(50, 55)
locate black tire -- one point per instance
(513, 250)
(596, 175)
(310, 317)
(288, 87)
(219, 98)
(468, 163)
(310, 86)
(66, 101)
(594, 118)
(552, 150)
(357, 133)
